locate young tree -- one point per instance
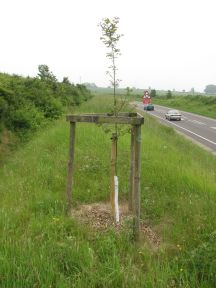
(45, 74)
(169, 94)
(153, 93)
(210, 89)
(48, 77)
(66, 80)
(128, 91)
(110, 38)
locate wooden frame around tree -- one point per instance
(135, 120)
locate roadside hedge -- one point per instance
(26, 103)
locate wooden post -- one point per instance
(113, 172)
(137, 166)
(131, 180)
(70, 167)
(134, 119)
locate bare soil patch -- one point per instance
(99, 217)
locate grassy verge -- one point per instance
(40, 247)
(203, 105)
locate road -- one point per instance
(200, 129)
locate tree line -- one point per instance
(26, 103)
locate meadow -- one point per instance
(42, 247)
(199, 104)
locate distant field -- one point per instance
(41, 247)
(140, 91)
(203, 105)
(119, 91)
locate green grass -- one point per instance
(41, 247)
(203, 105)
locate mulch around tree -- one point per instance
(98, 216)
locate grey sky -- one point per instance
(167, 44)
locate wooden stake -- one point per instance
(70, 167)
(131, 180)
(137, 166)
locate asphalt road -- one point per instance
(200, 129)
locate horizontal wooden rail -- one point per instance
(122, 118)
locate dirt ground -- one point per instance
(99, 217)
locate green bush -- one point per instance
(25, 118)
(52, 108)
(25, 102)
(169, 94)
(3, 108)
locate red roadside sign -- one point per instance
(146, 98)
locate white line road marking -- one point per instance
(213, 128)
(198, 122)
(162, 111)
(189, 131)
(195, 121)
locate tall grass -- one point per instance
(40, 247)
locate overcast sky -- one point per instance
(167, 44)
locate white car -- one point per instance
(173, 115)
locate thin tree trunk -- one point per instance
(113, 171)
